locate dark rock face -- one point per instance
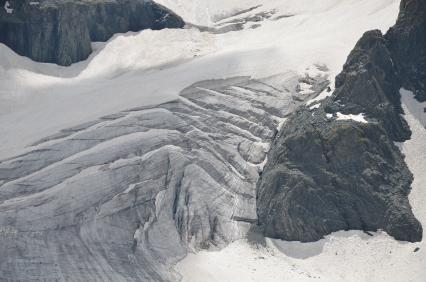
(407, 42)
(332, 176)
(369, 83)
(326, 174)
(61, 31)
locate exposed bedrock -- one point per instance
(55, 31)
(407, 42)
(335, 166)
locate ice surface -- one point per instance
(87, 139)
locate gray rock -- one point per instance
(60, 32)
(369, 84)
(407, 42)
(325, 175)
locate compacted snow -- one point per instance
(343, 256)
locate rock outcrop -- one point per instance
(60, 32)
(334, 166)
(407, 42)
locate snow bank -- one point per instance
(147, 49)
(415, 156)
(343, 256)
(416, 109)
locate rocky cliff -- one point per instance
(407, 42)
(334, 166)
(60, 32)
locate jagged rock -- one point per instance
(60, 32)
(370, 84)
(407, 42)
(325, 173)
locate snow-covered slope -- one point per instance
(206, 12)
(137, 64)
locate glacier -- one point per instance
(141, 162)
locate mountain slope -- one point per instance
(353, 176)
(115, 168)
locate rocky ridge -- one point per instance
(61, 32)
(407, 43)
(334, 165)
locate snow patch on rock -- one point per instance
(316, 106)
(7, 7)
(358, 118)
